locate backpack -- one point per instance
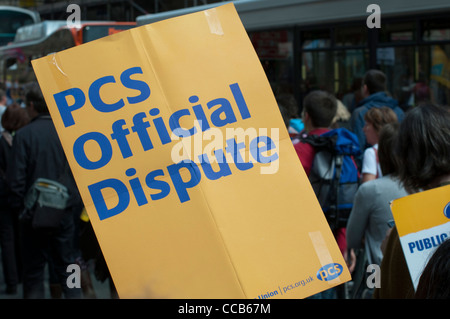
(45, 204)
(335, 175)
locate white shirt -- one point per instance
(370, 163)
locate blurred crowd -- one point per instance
(402, 152)
(35, 240)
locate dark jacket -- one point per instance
(396, 282)
(36, 152)
(378, 99)
(5, 154)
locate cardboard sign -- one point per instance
(423, 223)
(184, 165)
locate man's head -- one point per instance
(319, 108)
(374, 81)
(35, 100)
(14, 118)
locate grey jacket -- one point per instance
(370, 214)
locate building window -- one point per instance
(399, 65)
(354, 35)
(436, 30)
(397, 32)
(275, 50)
(334, 59)
(434, 62)
(316, 39)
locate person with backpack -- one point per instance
(319, 110)
(37, 154)
(327, 155)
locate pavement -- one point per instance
(101, 289)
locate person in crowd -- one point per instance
(342, 117)
(14, 118)
(319, 110)
(423, 147)
(375, 119)
(434, 283)
(368, 221)
(37, 152)
(374, 92)
(352, 98)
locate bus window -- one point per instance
(11, 19)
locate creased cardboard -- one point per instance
(134, 112)
(423, 223)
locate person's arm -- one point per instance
(17, 173)
(369, 166)
(359, 216)
(367, 177)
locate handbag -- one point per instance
(45, 204)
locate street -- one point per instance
(101, 288)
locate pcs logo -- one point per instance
(330, 272)
(447, 211)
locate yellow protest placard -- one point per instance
(184, 165)
(423, 223)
